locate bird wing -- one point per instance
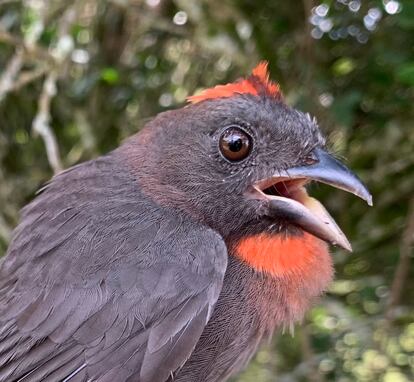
(101, 284)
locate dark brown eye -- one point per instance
(235, 144)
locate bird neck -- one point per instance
(302, 259)
(284, 275)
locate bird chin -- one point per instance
(288, 199)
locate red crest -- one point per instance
(257, 83)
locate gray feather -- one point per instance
(99, 281)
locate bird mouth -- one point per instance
(286, 196)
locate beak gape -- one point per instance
(296, 206)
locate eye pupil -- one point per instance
(235, 144)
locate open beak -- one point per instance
(287, 196)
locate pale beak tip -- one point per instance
(364, 194)
(345, 244)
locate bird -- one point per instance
(174, 256)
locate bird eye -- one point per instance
(235, 144)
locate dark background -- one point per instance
(77, 77)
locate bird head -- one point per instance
(239, 159)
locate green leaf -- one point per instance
(405, 74)
(343, 66)
(405, 19)
(110, 76)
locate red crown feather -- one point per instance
(257, 83)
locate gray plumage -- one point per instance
(126, 268)
(106, 314)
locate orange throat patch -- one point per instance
(297, 256)
(300, 265)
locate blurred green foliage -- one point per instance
(348, 62)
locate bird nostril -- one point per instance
(309, 161)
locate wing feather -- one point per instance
(101, 284)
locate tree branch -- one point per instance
(10, 73)
(41, 123)
(27, 77)
(32, 51)
(403, 267)
(25, 49)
